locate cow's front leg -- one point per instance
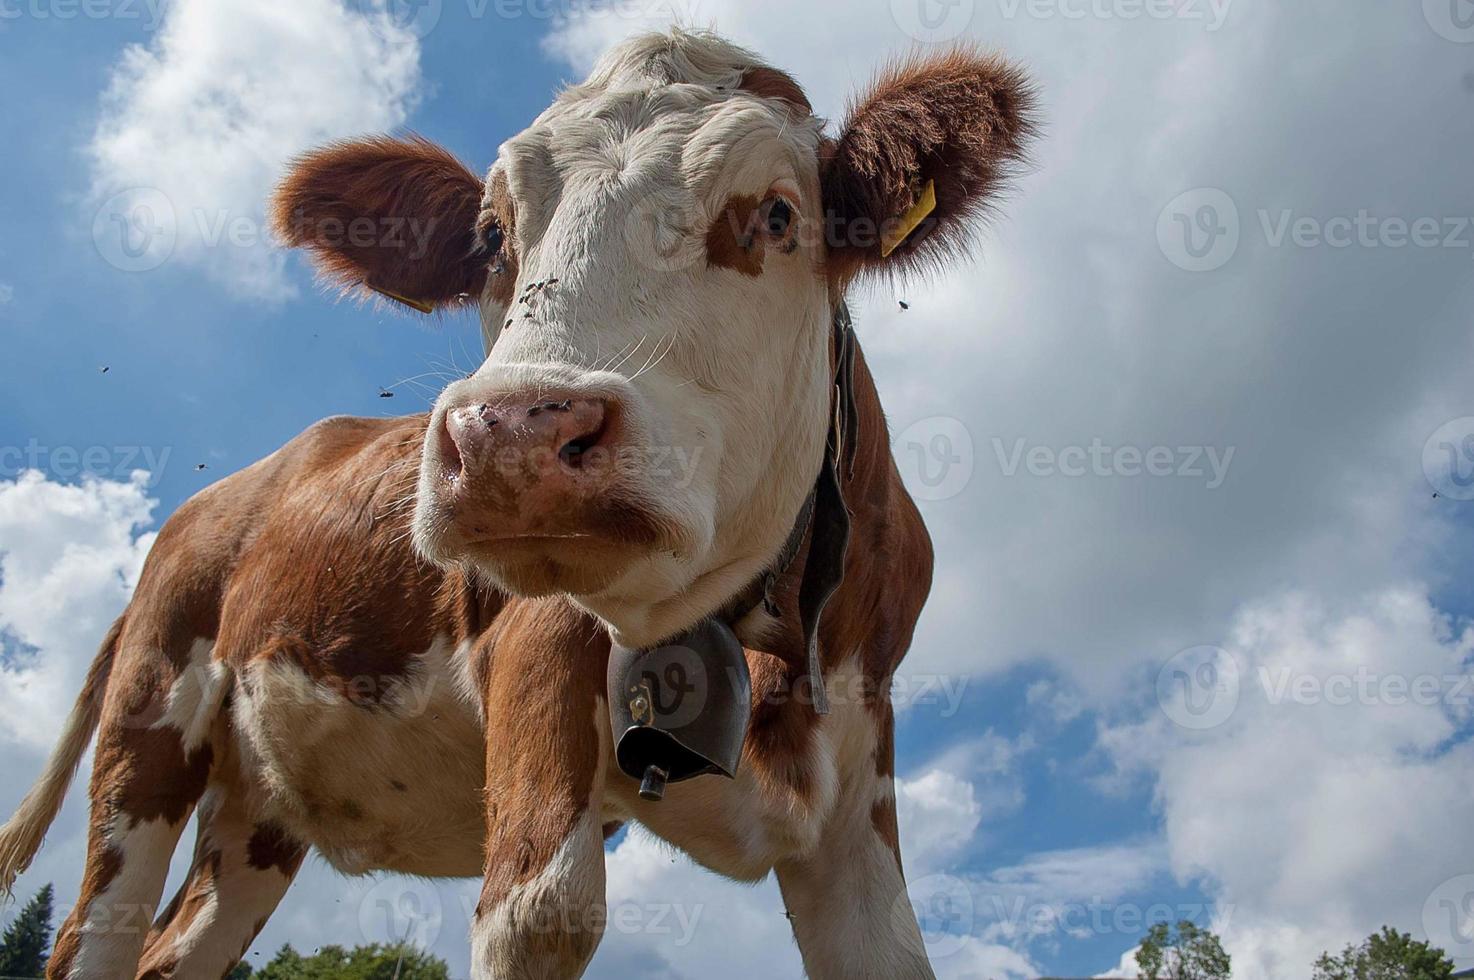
(847, 899)
(541, 912)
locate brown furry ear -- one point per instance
(395, 216)
(960, 120)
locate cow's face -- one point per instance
(656, 260)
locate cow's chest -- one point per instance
(375, 772)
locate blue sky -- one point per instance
(1319, 374)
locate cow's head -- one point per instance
(656, 260)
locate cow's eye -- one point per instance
(491, 238)
(777, 216)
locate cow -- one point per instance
(388, 641)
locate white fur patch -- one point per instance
(195, 697)
(117, 923)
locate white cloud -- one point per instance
(938, 814)
(69, 556)
(1334, 798)
(196, 125)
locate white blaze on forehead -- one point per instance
(660, 112)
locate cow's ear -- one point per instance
(393, 216)
(922, 154)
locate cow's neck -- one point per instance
(887, 571)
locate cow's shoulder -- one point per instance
(328, 576)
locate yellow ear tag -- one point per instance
(911, 220)
(414, 304)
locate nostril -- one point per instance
(575, 452)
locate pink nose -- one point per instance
(519, 442)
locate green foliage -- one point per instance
(397, 962)
(1185, 952)
(23, 949)
(1386, 955)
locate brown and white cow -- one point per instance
(387, 641)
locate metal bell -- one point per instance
(680, 709)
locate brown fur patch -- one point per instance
(885, 745)
(883, 820)
(960, 118)
(549, 665)
(732, 242)
(771, 83)
(385, 214)
(331, 584)
(270, 847)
